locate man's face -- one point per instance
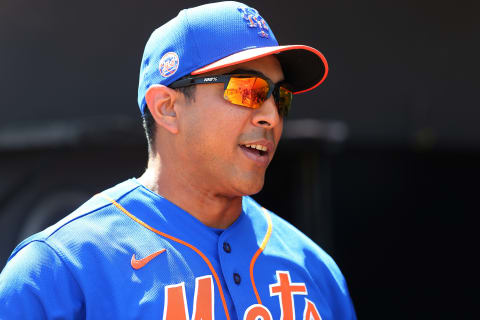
(213, 134)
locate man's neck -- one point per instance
(213, 210)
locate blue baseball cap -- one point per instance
(216, 35)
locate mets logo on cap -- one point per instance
(254, 20)
(168, 64)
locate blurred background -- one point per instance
(380, 165)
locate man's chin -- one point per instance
(253, 187)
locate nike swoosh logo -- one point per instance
(138, 264)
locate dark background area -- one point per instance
(379, 165)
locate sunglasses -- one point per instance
(247, 90)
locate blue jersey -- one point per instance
(129, 253)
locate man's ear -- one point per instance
(161, 101)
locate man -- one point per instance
(184, 241)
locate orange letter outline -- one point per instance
(284, 286)
(172, 308)
(205, 312)
(256, 311)
(311, 311)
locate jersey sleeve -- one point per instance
(36, 283)
(340, 300)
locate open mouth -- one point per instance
(256, 149)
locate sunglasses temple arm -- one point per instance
(200, 80)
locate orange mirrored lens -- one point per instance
(249, 92)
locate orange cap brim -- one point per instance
(304, 67)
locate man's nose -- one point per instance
(267, 115)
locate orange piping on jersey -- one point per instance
(255, 256)
(116, 204)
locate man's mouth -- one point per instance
(256, 149)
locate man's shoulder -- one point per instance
(286, 242)
(96, 211)
(281, 229)
(68, 260)
(287, 250)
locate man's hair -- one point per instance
(149, 123)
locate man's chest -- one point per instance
(178, 282)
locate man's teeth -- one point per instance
(256, 146)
